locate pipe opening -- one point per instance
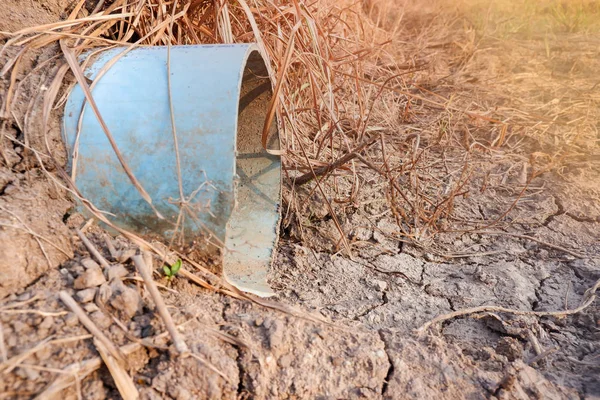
(255, 97)
(252, 230)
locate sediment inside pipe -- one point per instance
(252, 231)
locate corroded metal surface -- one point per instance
(231, 185)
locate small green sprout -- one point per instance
(171, 271)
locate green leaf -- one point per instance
(167, 270)
(176, 267)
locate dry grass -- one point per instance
(426, 86)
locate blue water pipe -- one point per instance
(220, 95)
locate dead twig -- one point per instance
(307, 177)
(124, 383)
(535, 343)
(90, 326)
(38, 312)
(93, 251)
(178, 341)
(79, 370)
(111, 247)
(3, 352)
(230, 290)
(527, 237)
(542, 355)
(163, 287)
(588, 298)
(15, 361)
(36, 236)
(87, 225)
(210, 366)
(144, 342)
(21, 303)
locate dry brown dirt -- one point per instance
(374, 300)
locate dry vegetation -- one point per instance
(422, 105)
(377, 92)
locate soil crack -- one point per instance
(585, 220)
(390, 371)
(450, 303)
(427, 290)
(384, 300)
(3, 188)
(537, 291)
(560, 210)
(368, 310)
(239, 362)
(481, 212)
(398, 273)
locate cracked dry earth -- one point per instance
(391, 289)
(375, 300)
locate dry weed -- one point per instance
(347, 73)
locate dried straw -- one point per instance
(344, 72)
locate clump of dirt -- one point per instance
(33, 237)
